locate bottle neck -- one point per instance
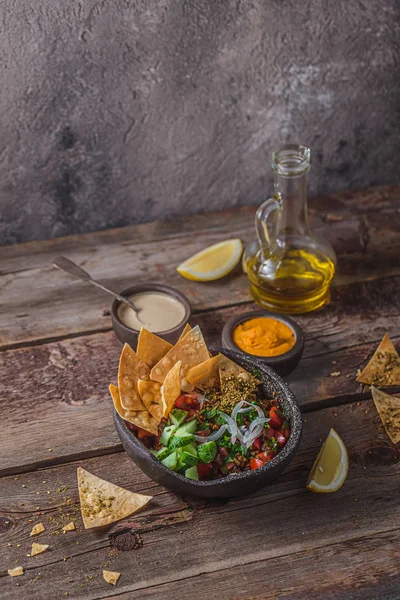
(292, 192)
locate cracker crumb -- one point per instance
(16, 572)
(38, 548)
(37, 529)
(335, 374)
(111, 576)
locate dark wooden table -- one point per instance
(59, 354)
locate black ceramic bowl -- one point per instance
(235, 484)
(282, 364)
(130, 336)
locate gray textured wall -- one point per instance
(121, 111)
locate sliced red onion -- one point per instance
(254, 430)
(213, 436)
(201, 399)
(237, 409)
(233, 428)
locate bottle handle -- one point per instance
(267, 223)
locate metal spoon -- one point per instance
(76, 271)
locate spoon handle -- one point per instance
(76, 271)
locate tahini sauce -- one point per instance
(160, 312)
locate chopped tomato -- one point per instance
(131, 426)
(142, 433)
(276, 418)
(271, 432)
(285, 430)
(281, 439)
(192, 401)
(204, 470)
(266, 456)
(180, 402)
(256, 463)
(256, 444)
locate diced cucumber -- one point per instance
(178, 416)
(179, 441)
(161, 453)
(187, 460)
(191, 448)
(188, 427)
(192, 473)
(166, 434)
(207, 452)
(171, 461)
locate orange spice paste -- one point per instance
(263, 336)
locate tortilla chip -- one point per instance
(150, 393)
(38, 548)
(191, 350)
(388, 408)
(228, 368)
(69, 527)
(16, 572)
(186, 330)
(103, 503)
(37, 529)
(151, 348)
(206, 374)
(131, 368)
(171, 388)
(141, 418)
(111, 576)
(384, 366)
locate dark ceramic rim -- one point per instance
(227, 339)
(288, 450)
(140, 288)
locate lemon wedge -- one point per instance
(213, 262)
(331, 466)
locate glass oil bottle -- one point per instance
(288, 268)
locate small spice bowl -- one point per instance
(130, 335)
(284, 363)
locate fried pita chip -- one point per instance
(206, 374)
(16, 572)
(171, 388)
(111, 576)
(150, 393)
(37, 529)
(384, 366)
(388, 408)
(38, 548)
(103, 503)
(186, 330)
(69, 527)
(228, 369)
(131, 368)
(140, 418)
(151, 348)
(191, 350)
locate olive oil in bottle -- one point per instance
(288, 268)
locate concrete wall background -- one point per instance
(121, 111)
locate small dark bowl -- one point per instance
(234, 484)
(282, 364)
(130, 336)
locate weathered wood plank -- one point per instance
(41, 303)
(52, 393)
(339, 545)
